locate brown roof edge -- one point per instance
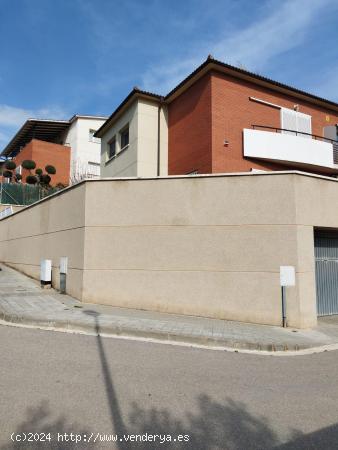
(213, 64)
(135, 93)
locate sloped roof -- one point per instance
(213, 64)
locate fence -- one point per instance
(23, 194)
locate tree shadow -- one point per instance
(214, 425)
(39, 420)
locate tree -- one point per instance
(10, 173)
(45, 179)
(50, 169)
(31, 179)
(10, 165)
(40, 178)
(28, 164)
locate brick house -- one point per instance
(221, 119)
(68, 145)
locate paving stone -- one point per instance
(23, 301)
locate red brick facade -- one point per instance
(217, 108)
(189, 130)
(44, 153)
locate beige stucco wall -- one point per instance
(140, 158)
(209, 246)
(148, 139)
(48, 230)
(124, 164)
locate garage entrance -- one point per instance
(326, 256)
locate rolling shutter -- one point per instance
(295, 121)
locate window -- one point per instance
(124, 137)
(93, 169)
(295, 121)
(112, 148)
(92, 138)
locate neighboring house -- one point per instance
(221, 119)
(134, 140)
(69, 145)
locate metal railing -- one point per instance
(302, 133)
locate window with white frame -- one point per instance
(295, 121)
(92, 138)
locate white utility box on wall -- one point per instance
(46, 271)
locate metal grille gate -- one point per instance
(326, 256)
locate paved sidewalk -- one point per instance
(22, 301)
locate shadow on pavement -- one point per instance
(215, 424)
(39, 420)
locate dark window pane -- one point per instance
(112, 148)
(124, 138)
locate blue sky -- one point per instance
(62, 57)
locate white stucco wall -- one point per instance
(83, 151)
(140, 158)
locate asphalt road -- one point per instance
(61, 383)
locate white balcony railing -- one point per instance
(289, 147)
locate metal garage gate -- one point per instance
(326, 254)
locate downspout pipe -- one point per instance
(159, 136)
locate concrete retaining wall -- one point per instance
(208, 246)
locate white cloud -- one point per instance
(284, 27)
(11, 116)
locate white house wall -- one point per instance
(83, 151)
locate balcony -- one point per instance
(289, 147)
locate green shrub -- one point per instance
(18, 177)
(10, 165)
(7, 174)
(28, 164)
(50, 169)
(45, 179)
(31, 179)
(39, 172)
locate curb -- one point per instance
(156, 335)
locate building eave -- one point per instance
(124, 105)
(212, 64)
